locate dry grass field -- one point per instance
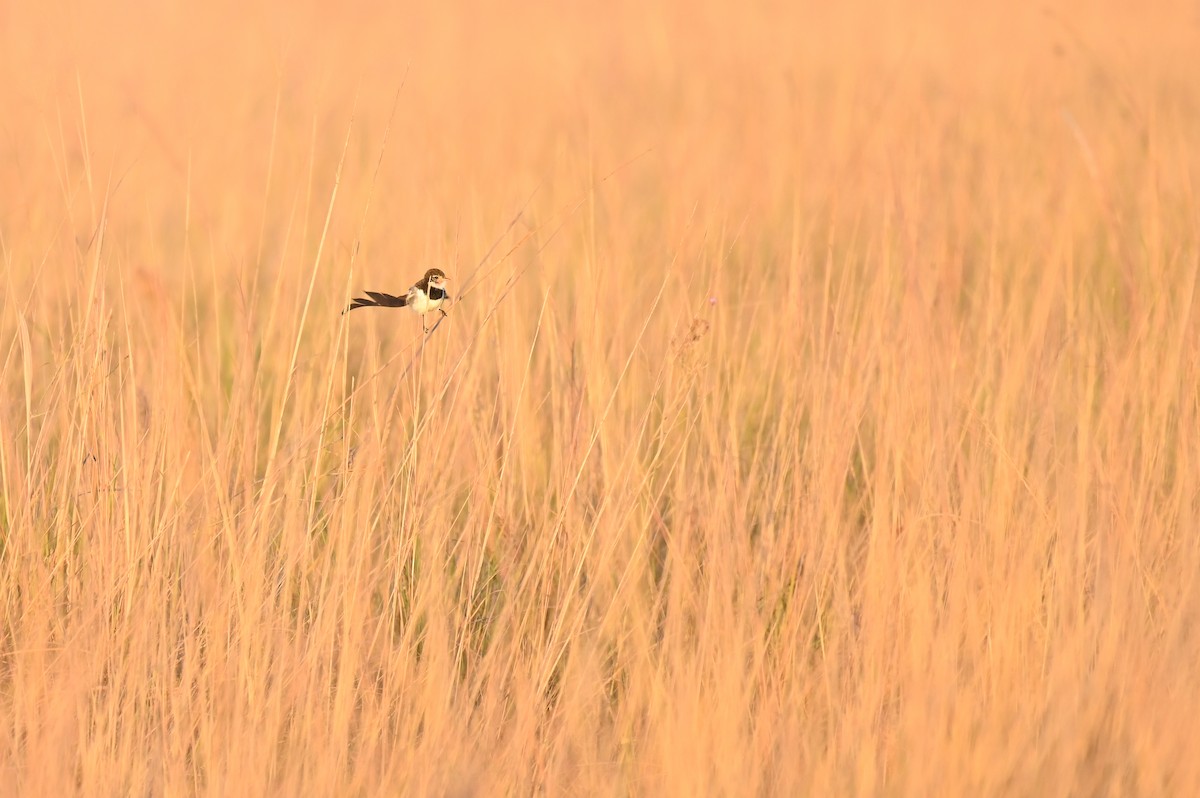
(818, 412)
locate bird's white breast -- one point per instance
(420, 302)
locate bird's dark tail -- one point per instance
(377, 300)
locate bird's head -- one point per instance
(436, 278)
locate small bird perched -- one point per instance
(426, 296)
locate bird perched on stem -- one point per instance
(426, 296)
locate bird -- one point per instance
(425, 296)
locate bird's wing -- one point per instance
(377, 300)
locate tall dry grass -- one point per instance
(911, 509)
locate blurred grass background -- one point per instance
(820, 415)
